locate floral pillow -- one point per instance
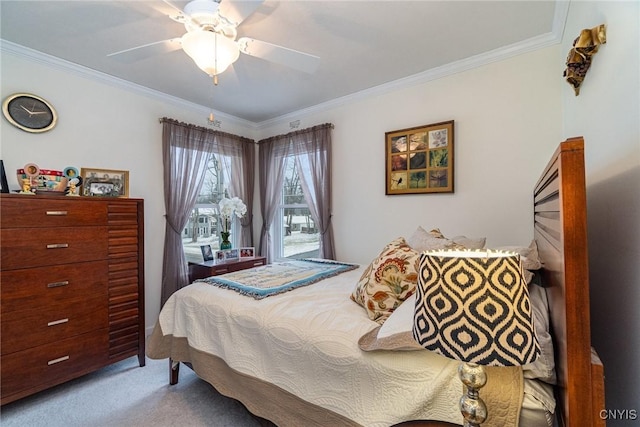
(389, 280)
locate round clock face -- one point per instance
(29, 112)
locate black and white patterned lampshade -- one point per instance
(473, 306)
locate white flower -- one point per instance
(229, 207)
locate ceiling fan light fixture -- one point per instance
(201, 13)
(212, 52)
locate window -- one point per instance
(299, 237)
(202, 225)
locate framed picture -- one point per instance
(420, 159)
(207, 253)
(249, 252)
(3, 179)
(231, 254)
(105, 182)
(219, 257)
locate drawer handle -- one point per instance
(56, 213)
(57, 284)
(57, 322)
(257, 263)
(57, 245)
(58, 360)
(224, 270)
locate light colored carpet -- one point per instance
(125, 394)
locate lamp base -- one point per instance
(473, 408)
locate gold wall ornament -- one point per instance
(579, 58)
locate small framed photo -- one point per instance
(207, 253)
(219, 257)
(231, 254)
(420, 159)
(104, 182)
(248, 252)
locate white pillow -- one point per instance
(543, 368)
(401, 320)
(469, 242)
(422, 240)
(395, 333)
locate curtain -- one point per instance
(311, 149)
(186, 150)
(271, 155)
(241, 174)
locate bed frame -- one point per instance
(560, 231)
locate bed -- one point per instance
(298, 358)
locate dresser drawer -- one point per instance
(35, 369)
(33, 327)
(29, 211)
(36, 247)
(43, 286)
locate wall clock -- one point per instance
(29, 112)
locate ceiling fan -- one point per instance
(211, 34)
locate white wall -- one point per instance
(507, 125)
(502, 143)
(100, 125)
(607, 114)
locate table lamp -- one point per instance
(473, 306)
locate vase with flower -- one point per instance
(229, 208)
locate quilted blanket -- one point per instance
(260, 282)
(306, 343)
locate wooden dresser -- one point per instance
(72, 288)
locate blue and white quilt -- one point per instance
(261, 282)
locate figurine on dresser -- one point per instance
(26, 187)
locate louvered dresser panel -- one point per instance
(72, 288)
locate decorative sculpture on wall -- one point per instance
(579, 59)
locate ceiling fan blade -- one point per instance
(147, 50)
(170, 3)
(237, 11)
(281, 55)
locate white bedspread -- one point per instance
(305, 341)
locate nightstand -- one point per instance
(200, 270)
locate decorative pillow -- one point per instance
(388, 280)
(395, 334)
(470, 243)
(528, 257)
(543, 368)
(421, 240)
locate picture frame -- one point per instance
(3, 179)
(420, 159)
(231, 254)
(247, 252)
(207, 253)
(104, 182)
(219, 257)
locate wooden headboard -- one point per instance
(560, 213)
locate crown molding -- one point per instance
(88, 73)
(529, 45)
(554, 37)
(496, 55)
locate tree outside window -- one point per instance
(203, 226)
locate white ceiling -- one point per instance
(361, 45)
